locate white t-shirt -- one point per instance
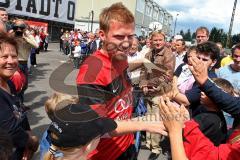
(77, 52)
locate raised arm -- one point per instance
(224, 100)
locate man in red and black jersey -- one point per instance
(103, 84)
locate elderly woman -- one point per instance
(12, 119)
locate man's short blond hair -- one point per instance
(203, 29)
(155, 33)
(116, 11)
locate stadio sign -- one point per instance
(54, 10)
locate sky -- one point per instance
(209, 13)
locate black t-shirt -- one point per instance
(13, 121)
(213, 126)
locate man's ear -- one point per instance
(213, 63)
(102, 35)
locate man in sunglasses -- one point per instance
(26, 41)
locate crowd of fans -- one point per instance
(181, 101)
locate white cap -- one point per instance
(178, 36)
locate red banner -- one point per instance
(38, 25)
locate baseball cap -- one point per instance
(178, 36)
(76, 125)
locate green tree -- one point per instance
(235, 39)
(187, 36)
(182, 33)
(218, 35)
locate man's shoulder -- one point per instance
(147, 52)
(225, 69)
(97, 58)
(167, 50)
(94, 70)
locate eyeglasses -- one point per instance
(203, 59)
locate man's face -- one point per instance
(158, 41)
(118, 40)
(134, 47)
(201, 36)
(179, 46)
(4, 16)
(206, 59)
(91, 37)
(148, 43)
(236, 59)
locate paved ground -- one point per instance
(53, 73)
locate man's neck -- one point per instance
(180, 53)
(235, 68)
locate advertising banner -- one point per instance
(53, 10)
(38, 25)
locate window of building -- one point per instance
(155, 14)
(148, 10)
(161, 16)
(140, 5)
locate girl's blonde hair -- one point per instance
(57, 98)
(50, 106)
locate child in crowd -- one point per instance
(183, 74)
(76, 54)
(212, 122)
(75, 130)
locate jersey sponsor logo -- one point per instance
(123, 103)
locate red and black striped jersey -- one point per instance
(104, 85)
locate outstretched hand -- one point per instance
(199, 70)
(173, 117)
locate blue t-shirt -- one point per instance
(45, 145)
(229, 74)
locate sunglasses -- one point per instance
(235, 56)
(21, 27)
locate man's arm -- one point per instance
(176, 95)
(30, 40)
(173, 119)
(138, 124)
(133, 65)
